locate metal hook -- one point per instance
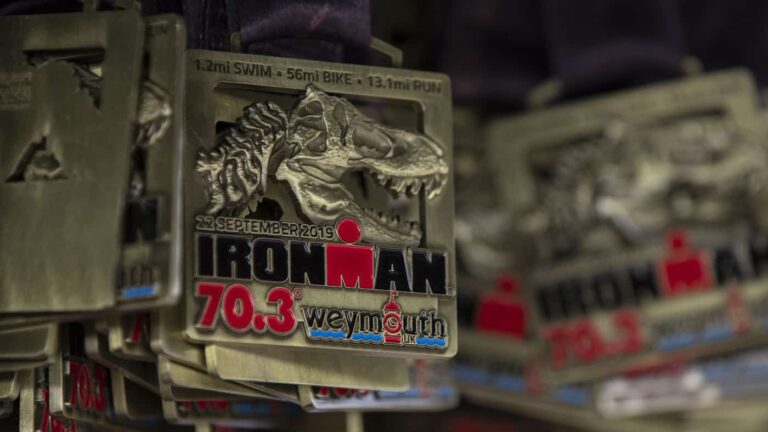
(394, 54)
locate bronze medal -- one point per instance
(133, 401)
(638, 249)
(283, 248)
(67, 136)
(150, 265)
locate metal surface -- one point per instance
(10, 384)
(29, 412)
(401, 161)
(133, 401)
(245, 413)
(623, 187)
(35, 413)
(80, 393)
(619, 170)
(150, 267)
(39, 342)
(128, 337)
(166, 330)
(503, 366)
(177, 375)
(310, 135)
(432, 389)
(6, 408)
(13, 366)
(717, 383)
(270, 365)
(64, 161)
(570, 417)
(142, 373)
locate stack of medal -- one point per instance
(500, 366)
(499, 363)
(320, 209)
(642, 241)
(206, 238)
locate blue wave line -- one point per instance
(243, 408)
(718, 332)
(446, 392)
(428, 341)
(373, 337)
(327, 334)
(513, 383)
(410, 393)
(676, 342)
(572, 395)
(471, 374)
(139, 291)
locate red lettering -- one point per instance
(137, 333)
(583, 341)
(213, 292)
(586, 343)
(285, 321)
(100, 396)
(557, 336)
(349, 266)
(633, 338)
(238, 307)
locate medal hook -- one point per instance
(235, 42)
(551, 90)
(394, 54)
(354, 421)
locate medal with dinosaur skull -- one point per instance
(319, 202)
(641, 218)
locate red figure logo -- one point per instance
(502, 311)
(393, 321)
(348, 265)
(684, 270)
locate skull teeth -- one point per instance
(395, 222)
(399, 186)
(415, 187)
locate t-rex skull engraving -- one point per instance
(627, 187)
(310, 148)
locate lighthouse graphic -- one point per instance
(393, 321)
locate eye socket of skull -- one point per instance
(340, 115)
(312, 122)
(317, 143)
(309, 109)
(311, 131)
(371, 141)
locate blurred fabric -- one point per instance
(329, 30)
(496, 51)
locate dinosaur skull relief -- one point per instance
(626, 186)
(309, 148)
